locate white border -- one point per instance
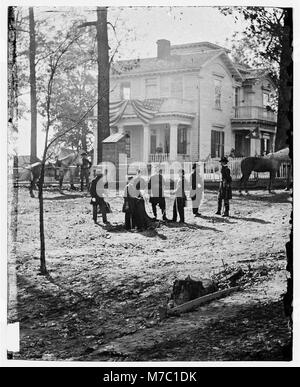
(3, 168)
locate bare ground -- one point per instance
(101, 299)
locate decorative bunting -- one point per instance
(144, 109)
(147, 108)
(116, 110)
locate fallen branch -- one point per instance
(201, 300)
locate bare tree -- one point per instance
(33, 100)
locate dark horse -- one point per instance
(269, 163)
(66, 160)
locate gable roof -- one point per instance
(187, 62)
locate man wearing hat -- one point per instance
(225, 192)
(156, 188)
(97, 197)
(85, 171)
(196, 189)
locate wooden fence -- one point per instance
(210, 170)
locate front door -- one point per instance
(153, 142)
(242, 145)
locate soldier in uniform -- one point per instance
(156, 186)
(85, 171)
(196, 189)
(225, 191)
(97, 197)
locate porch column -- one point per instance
(121, 129)
(146, 148)
(173, 141)
(254, 147)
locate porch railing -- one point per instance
(158, 157)
(254, 112)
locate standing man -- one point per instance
(156, 189)
(196, 189)
(85, 171)
(225, 191)
(97, 197)
(180, 198)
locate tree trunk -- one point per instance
(43, 268)
(33, 103)
(83, 137)
(103, 80)
(285, 83)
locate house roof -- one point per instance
(174, 62)
(198, 45)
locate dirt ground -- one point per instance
(101, 299)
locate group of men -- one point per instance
(134, 202)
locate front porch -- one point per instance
(158, 142)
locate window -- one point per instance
(164, 86)
(153, 141)
(217, 143)
(127, 143)
(182, 140)
(235, 100)
(151, 87)
(265, 145)
(176, 86)
(265, 99)
(218, 85)
(125, 90)
(190, 86)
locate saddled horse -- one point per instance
(67, 160)
(269, 163)
(32, 173)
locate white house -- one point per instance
(189, 103)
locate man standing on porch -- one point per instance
(196, 189)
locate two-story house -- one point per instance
(189, 103)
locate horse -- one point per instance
(67, 160)
(269, 163)
(32, 173)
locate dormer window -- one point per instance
(125, 90)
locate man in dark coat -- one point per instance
(225, 191)
(129, 206)
(196, 189)
(156, 188)
(97, 197)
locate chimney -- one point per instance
(163, 48)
